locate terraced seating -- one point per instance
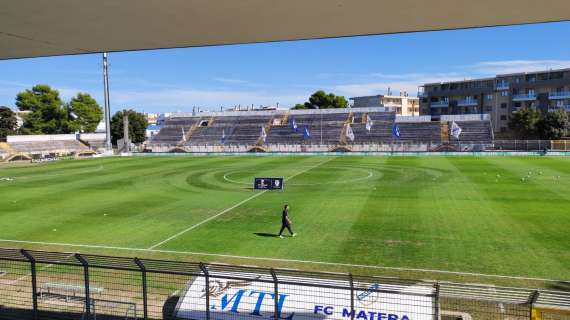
(236, 130)
(475, 132)
(171, 131)
(323, 129)
(50, 146)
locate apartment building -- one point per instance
(499, 96)
(403, 104)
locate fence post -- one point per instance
(144, 287)
(85, 265)
(351, 282)
(207, 278)
(276, 293)
(437, 301)
(32, 261)
(532, 300)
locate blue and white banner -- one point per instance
(255, 300)
(455, 130)
(306, 133)
(349, 133)
(294, 125)
(263, 134)
(369, 123)
(396, 131)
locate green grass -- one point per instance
(448, 213)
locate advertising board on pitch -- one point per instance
(250, 300)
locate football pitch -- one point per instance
(492, 215)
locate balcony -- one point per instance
(559, 95)
(440, 104)
(524, 97)
(565, 108)
(502, 86)
(468, 103)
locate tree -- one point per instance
(525, 122)
(47, 116)
(85, 113)
(323, 100)
(8, 122)
(137, 126)
(554, 125)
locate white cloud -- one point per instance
(231, 81)
(185, 98)
(514, 66)
(379, 84)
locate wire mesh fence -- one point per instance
(55, 285)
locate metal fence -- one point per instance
(56, 285)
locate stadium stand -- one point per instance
(95, 141)
(171, 133)
(239, 131)
(476, 131)
(38, 146)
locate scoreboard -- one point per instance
(268, 184)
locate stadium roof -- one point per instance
(32, 28)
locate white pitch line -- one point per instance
(228, 209)
(281, 260)
(41, 269)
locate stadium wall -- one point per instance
(41, 137)
(349, 154)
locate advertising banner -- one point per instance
(268, 184)
(248, 300)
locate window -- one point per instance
(489, 97)
(503, 117)
(504, 93)
(489, 108)
(503, 105)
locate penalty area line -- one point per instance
(219, 255)
(227, 209)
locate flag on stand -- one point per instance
(306, 133)
(263, 134)
(455, 130)
(349, 133)
(369, 123)
(396, 131)
(294, 125)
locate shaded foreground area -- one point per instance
(57, 285)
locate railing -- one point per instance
(502, 86)
(464, 144)
(83, 286)
(440, 104)
(467, 102)
(524, 97)
(559, 95)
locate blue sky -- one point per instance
(288, 72)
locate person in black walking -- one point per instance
(286, 222)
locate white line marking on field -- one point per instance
(228, 209)
(41, 269)
(280, 260)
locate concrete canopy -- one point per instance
(32, 28)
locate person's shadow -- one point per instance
(265, 234)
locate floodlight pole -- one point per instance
(108, 145)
